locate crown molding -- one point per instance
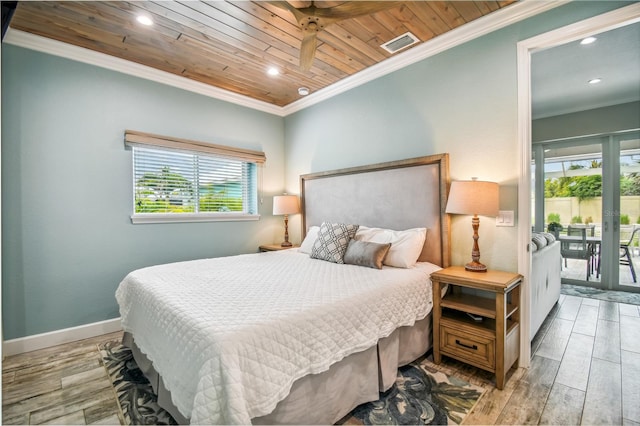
(484, 25)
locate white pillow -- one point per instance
(309, 239)
(406, 246)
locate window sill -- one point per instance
(191, 217)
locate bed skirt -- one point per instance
(326, 397)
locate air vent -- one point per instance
(400, 42)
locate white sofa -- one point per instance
(546, 263)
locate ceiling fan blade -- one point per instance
(313, 19)
(350, 9)
(284, 5)
(308, 49)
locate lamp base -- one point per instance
(474, 266)
(286, 244)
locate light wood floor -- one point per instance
(65, 384)
(585, 370)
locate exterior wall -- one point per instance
(569, 207)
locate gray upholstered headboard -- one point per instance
(396, 195)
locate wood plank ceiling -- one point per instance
(232, 44)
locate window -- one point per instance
(176, 180)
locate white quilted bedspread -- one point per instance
(230, 335)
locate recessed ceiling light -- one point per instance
(144, 20)
(303, 91)
(595, 80)
(273, 71)
(588, 40)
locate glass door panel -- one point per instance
(629, 255)
(573, 203)
(590, 190)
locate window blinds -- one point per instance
(134, 138)
(172, 178)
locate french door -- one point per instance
(591, 185)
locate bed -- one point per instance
(282, 337)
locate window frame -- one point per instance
(149, 141)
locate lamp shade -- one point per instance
(473, 197)
(285, 204)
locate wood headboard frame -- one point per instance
(395, 195)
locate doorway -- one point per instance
(607, 21)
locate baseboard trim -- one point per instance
(59, 337)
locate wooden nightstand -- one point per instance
(492, 343)
(274, 247)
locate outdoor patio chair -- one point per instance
(578, 249)
(576, 227)
(625, 253)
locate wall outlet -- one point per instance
(505, 218)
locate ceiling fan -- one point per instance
(313, 19)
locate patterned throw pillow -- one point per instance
(332, 242)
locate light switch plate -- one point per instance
(505, 218)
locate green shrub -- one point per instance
(624, 219)
(555, 217)
(588, 220)
(576, 219)
(553, 227)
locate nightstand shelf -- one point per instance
(492, 342)
(475, 305)
(482, 306)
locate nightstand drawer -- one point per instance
(475, 349)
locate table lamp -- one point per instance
(286, 205)
(474, 197)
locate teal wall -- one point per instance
(67, 186)
(67, 240)
(462, 101)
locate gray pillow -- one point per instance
(549, 236)
(539, 240)
(366, 253)
(332, 241)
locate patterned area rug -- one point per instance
(137, 400)
(596, 293)
(421, 395)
